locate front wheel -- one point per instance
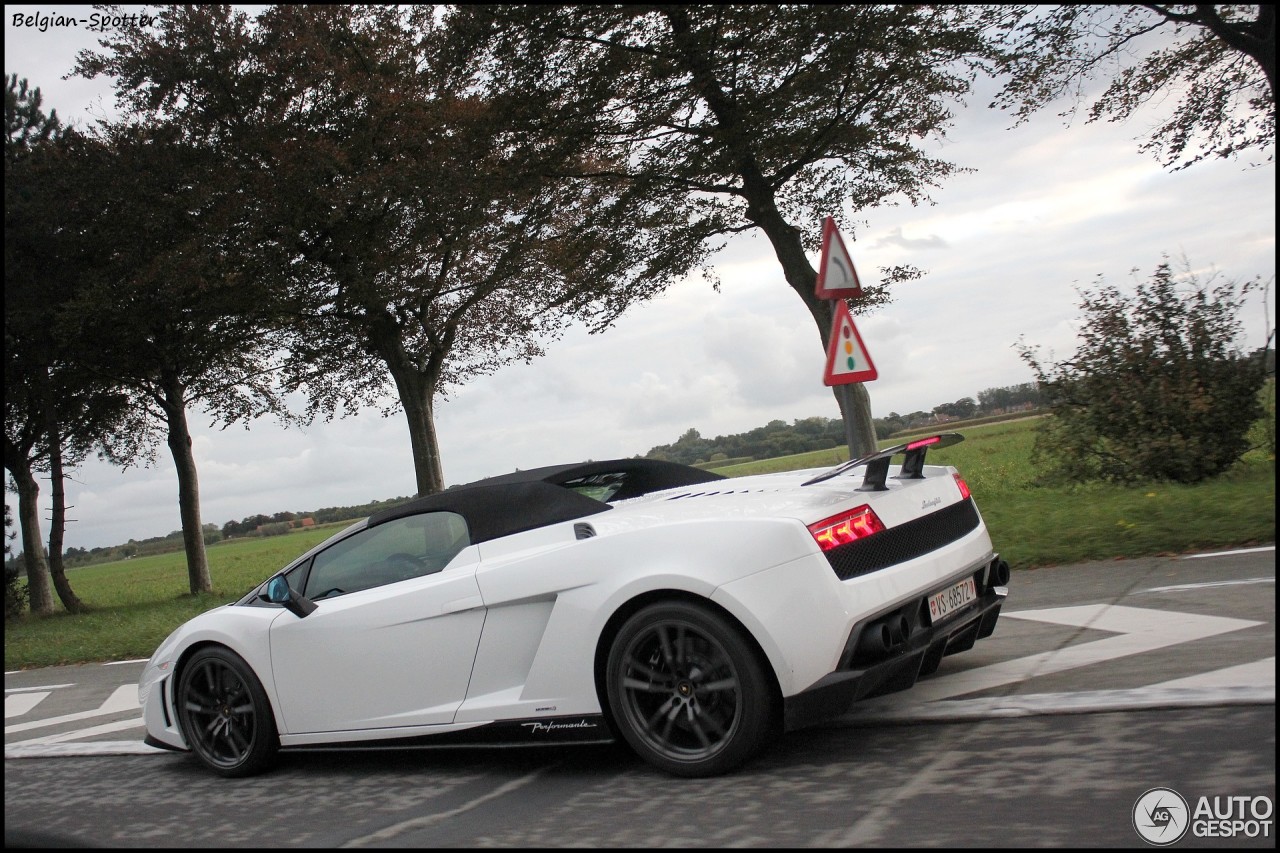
(687, 690)
(224, 713)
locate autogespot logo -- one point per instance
(1161, 817)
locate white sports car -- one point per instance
(689, 614)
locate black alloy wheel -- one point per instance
(224, 714)
(687, 691)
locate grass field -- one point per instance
(136, 603)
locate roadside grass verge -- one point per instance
(136, 603)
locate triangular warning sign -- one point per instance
(837, 279)
(847, 357)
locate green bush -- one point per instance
(1157, 389)
(15, 592)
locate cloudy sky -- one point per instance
(1005, 248)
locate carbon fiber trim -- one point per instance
(904, 542)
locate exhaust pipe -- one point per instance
(875, 641)
(880, 639)
(999, 574)
(901, 629)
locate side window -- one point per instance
(601, 487)
(397, 550)
(297, 575)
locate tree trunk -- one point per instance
(762, 209)
(853, 399)
(417, 394)
(179, 440)
(41, 594)
(58, 523)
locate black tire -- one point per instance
(224, 714)
(687, 691)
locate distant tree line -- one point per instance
(778, 438)
(252, 525)
(259, 525)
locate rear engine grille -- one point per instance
(904, 542)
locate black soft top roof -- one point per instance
(525, 500)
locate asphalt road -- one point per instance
(1102, 681)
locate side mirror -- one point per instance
(278, 591)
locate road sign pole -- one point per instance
(848, 362)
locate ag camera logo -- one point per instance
(1160, 816)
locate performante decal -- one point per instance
(536, 728)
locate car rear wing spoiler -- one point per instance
(873, 480)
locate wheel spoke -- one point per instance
(667, 655)
(670, 722)
(725, 684)
(696, 725)
(652, 674)
(645, 686)
(664, 708)
(712, 723)
(239, 742)
(198, 704)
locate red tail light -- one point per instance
(848, 526)
(964, 487)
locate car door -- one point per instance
(393, 638)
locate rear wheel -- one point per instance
(688, 691)
(224, 713)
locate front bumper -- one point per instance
(912, 647)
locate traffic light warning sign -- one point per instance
(847, 357)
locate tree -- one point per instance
(26, 127)
(427, 225)
(962, 408)
(765, 117)
(164, 311)
(1216, 65)
(1157, 388)
(54, 411)
(996, 400)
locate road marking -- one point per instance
(1137, 630)
(125, 698)
(83, 750)
(1229, 553)
(92, 731)
(1044, 704)
(1260, 673)
(1185, 586)
(20, 700)
(389, 833)
(16, 706)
